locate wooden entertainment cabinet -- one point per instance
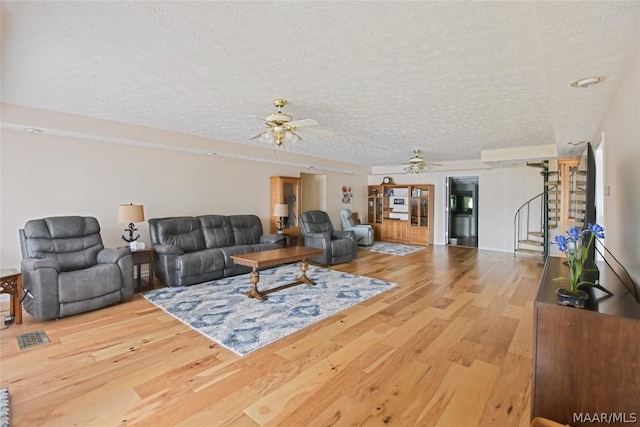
(586, 361)
(408, 220)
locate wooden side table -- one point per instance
(293, 237)
(140, 257)
(11, 283)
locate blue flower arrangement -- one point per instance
(572, 245)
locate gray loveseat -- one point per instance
(67, 270)
(192, 250)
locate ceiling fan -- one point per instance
(417, 163)
(282, 128)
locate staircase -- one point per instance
(560, 206)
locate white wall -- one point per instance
(621, 155)
(314, 195)
(501, 192)
(44, 175)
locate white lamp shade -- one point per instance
(281, 210)
(130, 213)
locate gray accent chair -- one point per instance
(198, 249)
(339, 246)
(364, 232)
(67, 270)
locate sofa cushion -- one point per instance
(247, 229)
(230, 267)
(71, 241)
(201, 262)
(217, 231)
(183, 232)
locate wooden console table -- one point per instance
(585, 361)
(11, 283)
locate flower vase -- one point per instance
(575, 299)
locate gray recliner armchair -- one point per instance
(364, 232)
(339, 246)
(66, 269)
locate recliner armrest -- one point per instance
(317, 240)
(317, 236)
(273, 238)
(112, 255)
(33, 264)
(344, 234)
(167, 250)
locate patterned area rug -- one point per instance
(221, 311)
(393, 248)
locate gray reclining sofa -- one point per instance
(190, 250)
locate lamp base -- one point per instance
(130, 229)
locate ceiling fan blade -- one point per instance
(303, 122)
(257, 117)
(433, 164)
(314, 131)
(259, 135)
(296, 135)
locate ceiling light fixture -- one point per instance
(281, 126)
(417, 164)
(588, 81)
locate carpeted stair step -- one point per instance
(539, 234)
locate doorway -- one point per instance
(462, 211)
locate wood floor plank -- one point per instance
(450, 346)
(464, 408)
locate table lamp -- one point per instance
(281, 210)
(129, 214)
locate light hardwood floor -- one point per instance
(451, 346)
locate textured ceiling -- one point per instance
(450, 78)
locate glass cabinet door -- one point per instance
(370, 210)
(379, 209)
(291, 191)
(424, 209)
(415, 212)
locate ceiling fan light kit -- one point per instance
(417, 164)
(281, 126)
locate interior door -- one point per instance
(462, 211)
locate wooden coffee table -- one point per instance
(276, 257)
